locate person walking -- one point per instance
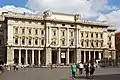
(92, 70)
(87, 70)
(73, 68)
(80, 68)
(1, 68)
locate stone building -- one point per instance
(117, 44)
(52, 37)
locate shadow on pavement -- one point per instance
(100, 77)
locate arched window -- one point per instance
(23, 40)
(42, 42)
(16, 30)
(82, 43)
(36, 31)
(30, 31)
(16, 40)
(30, 40)
(36, 41)
(87, 42)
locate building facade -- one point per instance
(117, 44)
(55, 38)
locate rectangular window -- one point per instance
(87, 44)
(92, 44)
(23, 31)
(71, 34)
(29, 31)
(101, 35)
(23, 41)
(96, 35)
(16, 40)
(82, 34)
(109, 38)
(54, 43)
(97, 44)
(63, 42)
(102, 44)
(109, 46)
(42, 32)
(86, 35)
(72, 43)
(16, 30)
(36, 41)
(63, 33)
(42, 42)
(54, 33)
(82, 43)
(92, 35)
(29, 41)
(36, 31)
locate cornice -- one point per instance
(40, 17)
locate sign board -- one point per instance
(62, 55)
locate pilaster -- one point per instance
(19, 57)
(59, 56)
(48, 56)
(78, 55)
(10, 55)
(32, 57)
(67, 56)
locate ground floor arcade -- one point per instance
(55, 56)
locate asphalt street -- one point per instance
(59, 74)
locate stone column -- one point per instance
(94, 54)
(19, 57)
(50, 35)
(39, 57)
(26, 41)
(59, 36)
(26, 57)
(77, 38)
(100, 55)
(67, 36)
(59, 56)
(67, 56)
(89, 55)
(84, 56)
(32, 57)
(47, 36)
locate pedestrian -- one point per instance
(1, 68)
(87, 70)
(51, 66)
(80, 68)
(73, 68)
(14, 67)
(92, 70)
(8, 67)
(17, 67)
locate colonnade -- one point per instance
(35, 57)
